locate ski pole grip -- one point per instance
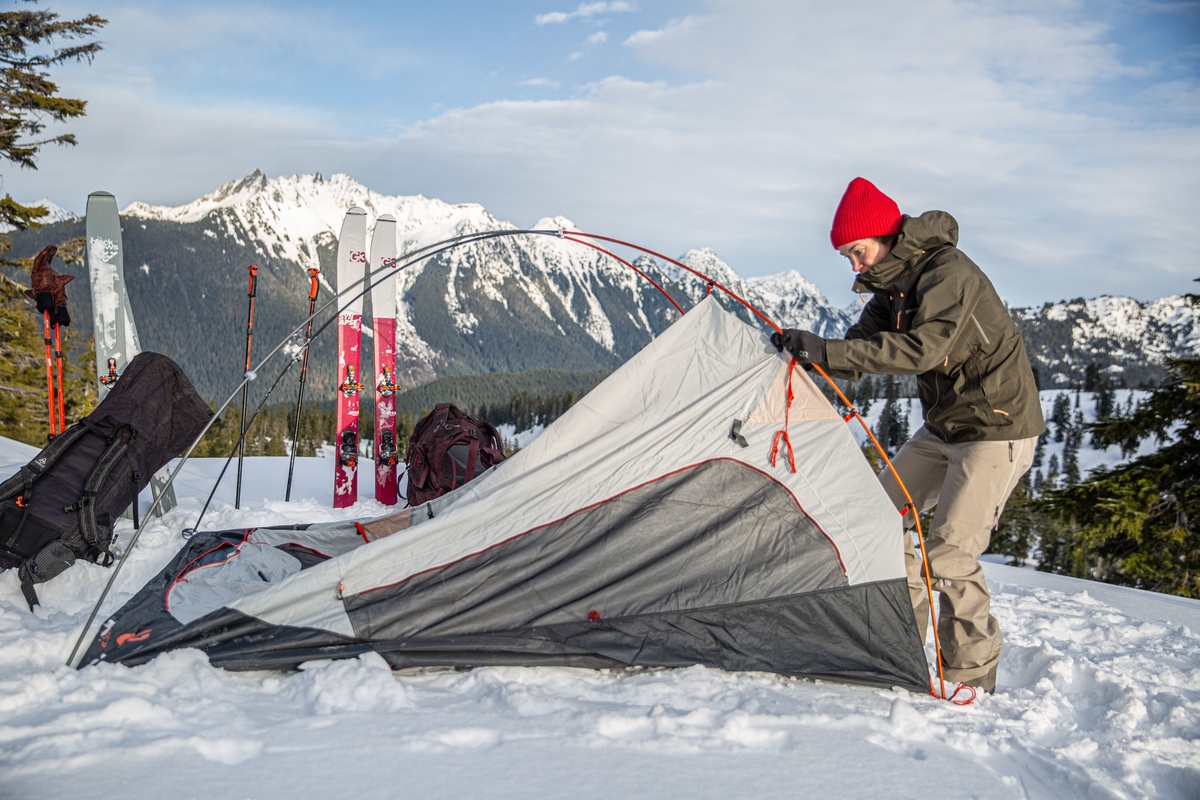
(253, 269)
(312, 291)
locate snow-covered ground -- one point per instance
(1099, 697)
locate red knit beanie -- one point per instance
(864, 212)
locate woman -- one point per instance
(934, 314)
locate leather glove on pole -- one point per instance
(807, 348)
(49, 287)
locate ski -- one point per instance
(351, 269)
(383, 322)
(112, 319)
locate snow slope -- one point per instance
(1099, 697)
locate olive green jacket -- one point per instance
(934, 314)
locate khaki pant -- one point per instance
(969, 483)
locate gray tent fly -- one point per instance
(705, 504)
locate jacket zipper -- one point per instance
(986, 340)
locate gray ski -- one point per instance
(112, 319)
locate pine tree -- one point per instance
(28, 99)
(1061, 415)
(1039, 452)
(1052, 473)
(1070, 459)
(892, 427)
(1138, 524)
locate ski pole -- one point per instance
(49, 372)
(58, 367)
(189, 532)
(237, 500)
(312, 304)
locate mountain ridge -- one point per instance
(513, 303)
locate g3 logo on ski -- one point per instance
(360, 256)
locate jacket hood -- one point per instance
(917, 235)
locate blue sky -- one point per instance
(1063, 135)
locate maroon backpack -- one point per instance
(448, 448)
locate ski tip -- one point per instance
(386, 218)
(356, 212)
(101, 194)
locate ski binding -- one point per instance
(348, 452)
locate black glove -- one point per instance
(807, 348)
(44, 300)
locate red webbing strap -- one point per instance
(782, 435)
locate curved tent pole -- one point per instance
(416, 256)
(910, 506)
(440, 247)
(237, 448)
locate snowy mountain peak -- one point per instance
(56, 213)
(286, 217)
(786, 284)
(558, 223)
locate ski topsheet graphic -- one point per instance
(112, 318)
(351, 269)
(383, 321)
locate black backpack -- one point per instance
(447, 449)
(62, 505)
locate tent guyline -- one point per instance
(580, 238)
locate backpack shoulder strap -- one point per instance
(96, 536)
(22, 482)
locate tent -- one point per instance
(705, 504)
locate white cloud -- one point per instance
(582, 11)
(599, 37)
(649, 37)
(546, 82)
(1016, 119)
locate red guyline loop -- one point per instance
(853, 412)
(782, 435)
(954, 698)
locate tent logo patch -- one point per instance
(126, 638)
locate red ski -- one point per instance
(351, 269)
(383, 310)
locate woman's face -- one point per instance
(864, 253)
